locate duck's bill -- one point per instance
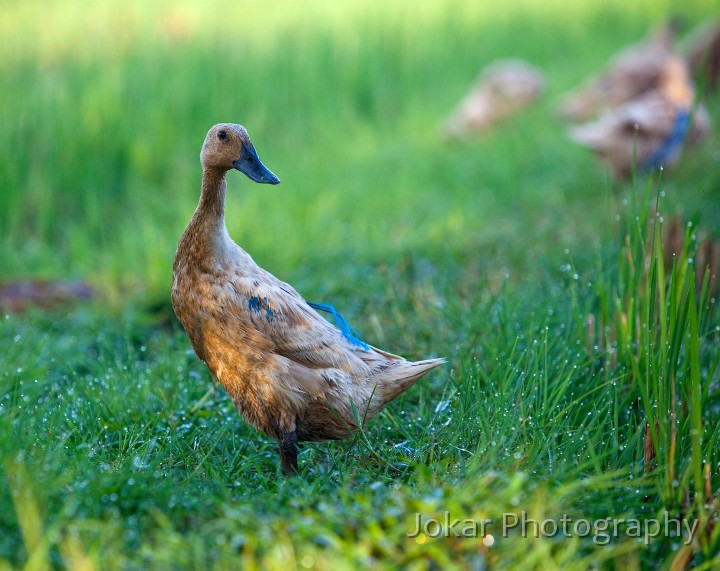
(250, 165)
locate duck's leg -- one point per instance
(289, 452)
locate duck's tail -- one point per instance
(397, 379)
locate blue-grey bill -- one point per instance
(250, 165)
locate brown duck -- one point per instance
(629, 74)
(289, 372)
(649, 131)
(503, 88)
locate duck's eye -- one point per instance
(222, 135)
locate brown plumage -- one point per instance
(289, 372)
(503, 88)
(630, 73)
(634, 132)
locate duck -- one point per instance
(290, 373)
(650, 131)
(632, 71)
(503, 88)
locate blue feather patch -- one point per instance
(672, 143)
(348, 332)
(256, 304)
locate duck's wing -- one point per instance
(649, 117)
(290, 327)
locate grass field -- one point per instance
(583, 378)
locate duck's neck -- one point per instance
(210, 212)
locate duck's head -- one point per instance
(227, 146)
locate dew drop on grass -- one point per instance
(441, 406)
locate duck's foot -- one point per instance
(289, 453)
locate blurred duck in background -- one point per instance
(650, 130)
(642, 110)
(503, 88)
(628, 74)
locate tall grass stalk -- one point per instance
(660, 331)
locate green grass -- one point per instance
(583, 372)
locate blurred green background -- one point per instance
(104, 106)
